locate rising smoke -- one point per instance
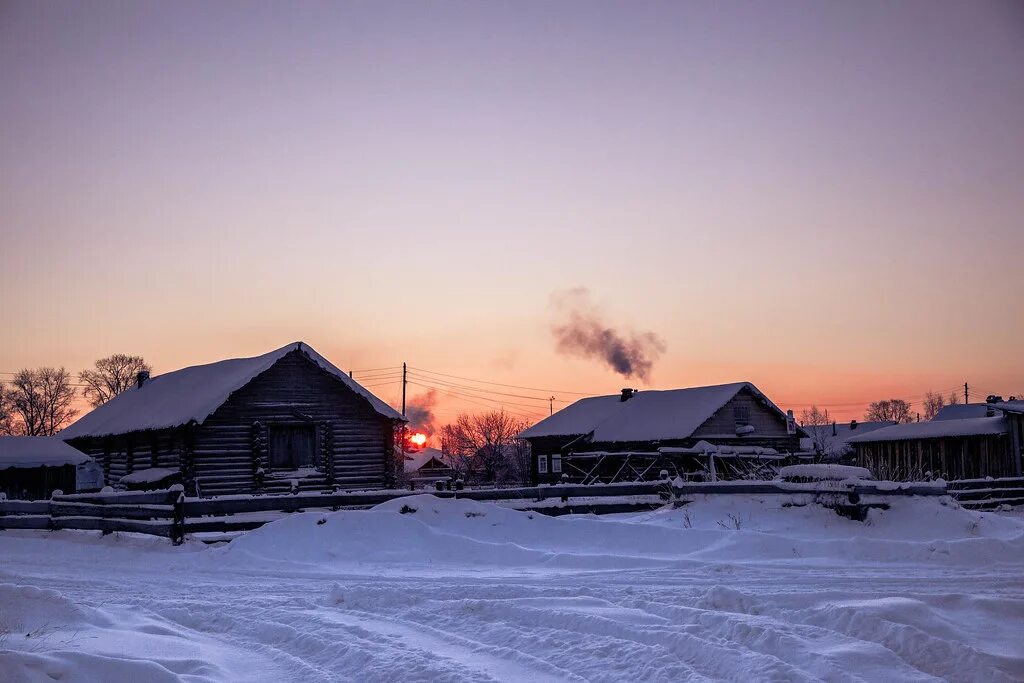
(419, 411)
(586, 335)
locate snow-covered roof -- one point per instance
(37, 451)
(414, 461)
(975, 426)
(194, 393)
(838, 442)
(962, 411)
(1015, 406)
(647, 416)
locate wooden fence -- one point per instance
(988, 494)
(170, 514)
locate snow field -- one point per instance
(459, 590)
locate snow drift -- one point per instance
(424, 531)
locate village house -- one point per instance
(966, 441)
(831, 441)
(33, 467)
(637, 434)
(427, 466)
(269, 423)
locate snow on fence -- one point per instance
(170, 514)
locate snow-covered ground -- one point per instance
(726, 588)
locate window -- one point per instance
(292, 446)
(556, 464)
(542, 464)
(741, 414)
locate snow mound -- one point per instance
(423, 530)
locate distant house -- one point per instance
(425, 464)
(246, 425)
(965, 448)
(963, 411)
(832, 440)
(735, 416)
(33, 467)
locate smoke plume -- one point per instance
(586, 335)
(419, 411)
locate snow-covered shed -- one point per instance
(646, 421)
(35, 466)
(832, 440)
(246, 424)
(952, 449)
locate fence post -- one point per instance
(178, 520)
(51, 526)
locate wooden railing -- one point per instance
(170, 514)
(988, 494)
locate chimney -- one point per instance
(141, 378)
(834, 433)
(853, 424)
(627, 394)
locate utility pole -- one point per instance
(551, 406)
(404, 382)
(966, 398)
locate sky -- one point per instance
(823, 198)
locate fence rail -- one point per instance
(988, 494)
(170, 514)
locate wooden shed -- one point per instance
(967, 448)
(1014, 412)
(33, 467)
(659, 427)
(247, 425)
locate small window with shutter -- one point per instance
(542, 464)
(556, 464)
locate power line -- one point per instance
(476, 396)
(543, 399)
(393, 367)
(510, 386)
(463, 397)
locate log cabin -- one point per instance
(285, 419)
(657, 429)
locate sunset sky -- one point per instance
(826, 199)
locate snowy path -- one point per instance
(713, 620)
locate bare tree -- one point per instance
(954, 399)
(819, 425)
(933, 403)
(894, 410)
(110, 377)
(41, 401)
(486, 446)
(7, 427)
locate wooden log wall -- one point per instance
(353, 440)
